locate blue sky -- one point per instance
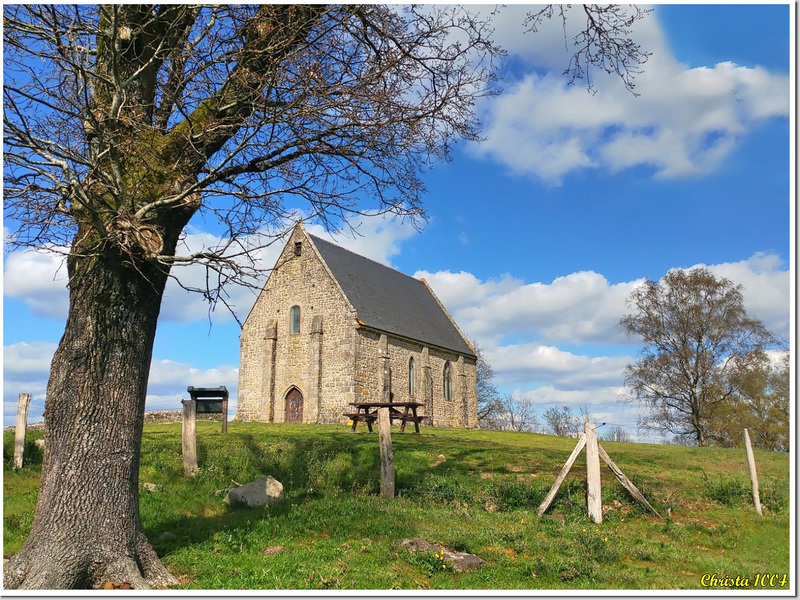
(538, 234)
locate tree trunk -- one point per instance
(87, 530)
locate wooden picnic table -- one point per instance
(368, 412)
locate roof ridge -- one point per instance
(364, 257)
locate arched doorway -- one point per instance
(294, 406)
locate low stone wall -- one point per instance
(38, 426)
(151, 416)
(175, 416)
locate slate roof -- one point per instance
(391, 301)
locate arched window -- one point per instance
(411, 377)
(294, 320)
(447, 381)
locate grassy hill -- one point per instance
(474, 491)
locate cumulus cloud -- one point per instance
(766, 287)
(39, 278)
(582, 307)
(527, 363)
(523, 329)
(684, 123)
(26, 368)
(377, 238)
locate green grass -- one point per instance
(474, 491)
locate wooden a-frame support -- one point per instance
(594, 451)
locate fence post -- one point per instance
(593, 491)
(751, 465)
(21, 429)
(189, 441)
(387, 458)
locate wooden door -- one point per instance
(294, 406)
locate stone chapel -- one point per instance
(332, 327)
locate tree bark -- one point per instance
(87, 529)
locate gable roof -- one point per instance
(391, 301)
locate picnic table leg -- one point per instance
(403, 420)
(369, 421)
(416, 420)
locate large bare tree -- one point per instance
(124, 122)
(701, 348)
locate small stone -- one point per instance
(417, 545)
(167, 536)
(151, 487)
(271, 550)
(461, 561)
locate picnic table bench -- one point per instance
(368, 413)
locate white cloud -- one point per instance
(765, 288)
(522, 329)
(684, 123)
(38, 277)
(581, 307)
(377, 238)
(26, 368)
(584, 307)
(169, 375)
(526, 363)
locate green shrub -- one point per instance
(512, 495)
(443, 488)
(727, 490)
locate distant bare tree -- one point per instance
(517, 414)
(616, 434)
(561, 421)
(490, 403)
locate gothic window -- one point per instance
(294, 320)
(447, 381)
(411, 376)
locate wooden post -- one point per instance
(593, 490)
(387, 458)
(561, 476)
(224, 415)
(626, 483)
(751, 465)
(21, 429)
(189, 438)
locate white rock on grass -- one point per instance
(266, 491)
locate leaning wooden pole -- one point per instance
(387, 458)
(189, 438)
(594, 503)
(561, 476)
(751, 466)
(24, 402)
(626, 483)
